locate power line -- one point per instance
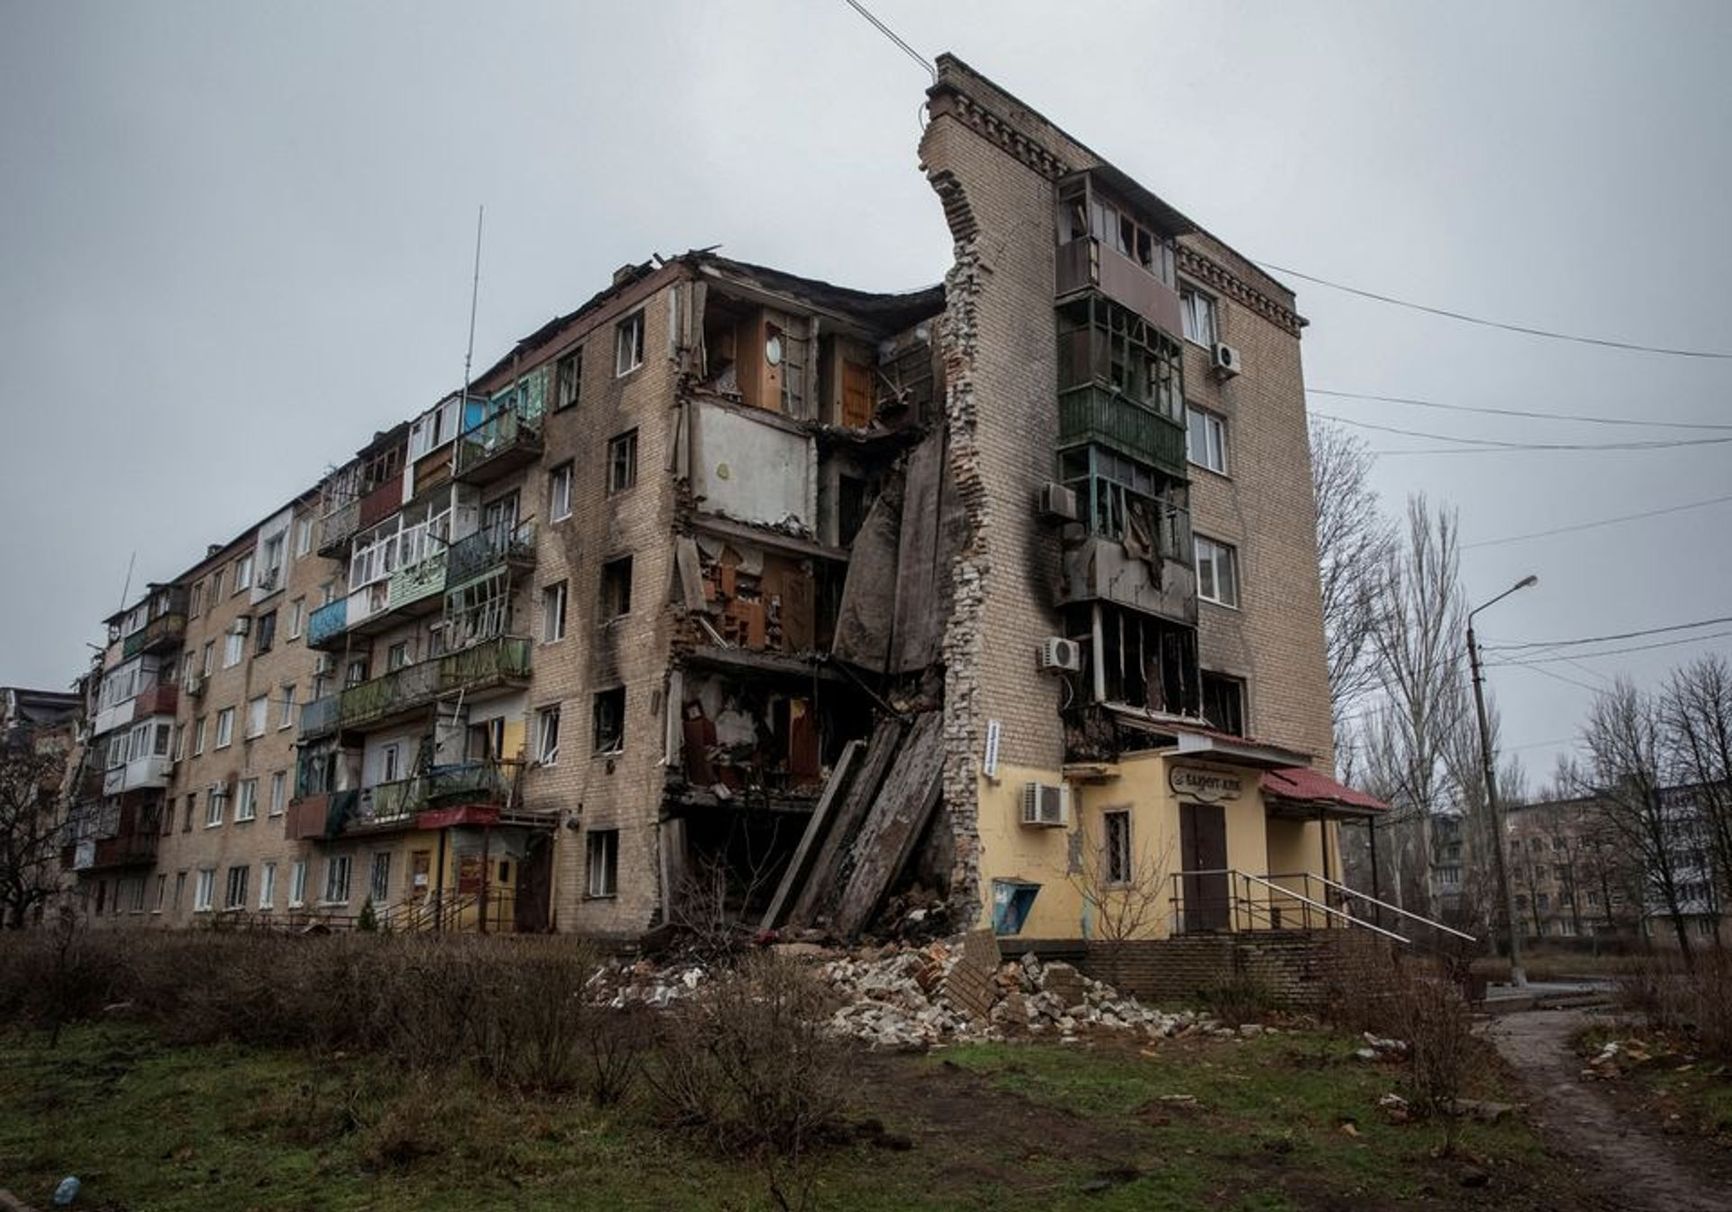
(1521, 328)
(1557, 677)
(1511, 412)
(1588, 656)
(894, 37)
(1628, 517)
(1488, 444)
(1598, 639)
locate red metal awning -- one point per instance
(1305, 784)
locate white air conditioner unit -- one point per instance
(1059, 655)
(1057, 501)
(1045, 805)
(1227, 360)
(241, 626)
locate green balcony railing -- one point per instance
(1094, 414)
(502, 658)
(396, 802)
(505, 433)
(475, 554)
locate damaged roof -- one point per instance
(893, 311)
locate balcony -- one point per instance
(1086, 263)
(499, 445)
(398, 804)
(337, 528)
(318, 817)
(164, 631)
(490, 663)
(160, 699)
(1095, 414)
(487, 548)
(419, 584)
(134, 849)
(382, 502)
(326, 625)
(152, 771)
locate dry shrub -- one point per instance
(614, 1048)
(748, 1061)
(1695, 1002)
(1442, 1049)
(1246, 996)
(427, 1120)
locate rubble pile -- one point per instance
(897, 999)
(912, 997)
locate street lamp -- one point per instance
(1517, 975)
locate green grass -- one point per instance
(148, 1126)
(1673, 1080)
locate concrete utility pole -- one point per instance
(1518, 976)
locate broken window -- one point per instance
(477, 611)
(553, 612)
(1011, 902)
(1224, 703)
(547, 735)
(1117, 867)
(568, 379)
(264, 632)
(1147, 662)
(621, 462)
(628, 344)
(559, 492)
(602, 849)
(608, 720)
(1104, 344)
(615, 588)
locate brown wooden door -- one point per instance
(1203, 847)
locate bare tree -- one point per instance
(1416, 646)
(1354, 543)
(1696, 734)
(1623, 742)
(31, 777)
(1126, 892)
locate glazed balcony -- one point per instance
(409, 592)
(494, 662)
(160, 699)
(163, 632)
(151, 771)
(1086, 263)
(382, 502)
(486, 549)
(337, 527)
(498, 446)
(1094, 414)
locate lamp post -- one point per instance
(1494, 807)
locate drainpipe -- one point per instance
(439, 888)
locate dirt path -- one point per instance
(1639, 1166)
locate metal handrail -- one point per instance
(1249, 904)
(1354, 892)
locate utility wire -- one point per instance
(1628, 517)
(1558, 677)
(1485, 444)
(1598, 639)
(1521, 328)
(1511, 412)
(894, 37)
(1588, 656)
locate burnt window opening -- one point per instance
(1101, 343)
(1146, 661)
(1224, 703)
(854, 497)
(616, 588)
(608, 721)
(1122, 498)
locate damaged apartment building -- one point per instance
(737, 584)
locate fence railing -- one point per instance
(1231, 901)
(1094, 414)
(504, 431)
(496, 659)
(475, 554)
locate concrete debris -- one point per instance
(1395, 1108)
(1379, 1049)
(906, 998)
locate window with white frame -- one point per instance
(603, 855)
(1117, 859)
(1197, 315)
(553, 612)
(236, 893)
(204, 891)
(279, 791)
(1217, 572)
(568, 379)
(297, 618)
(298, 884)
(390, 760)
(1206, 440)
(286, 702)
(268, 886)
(243, 577)
(161, 892)
(628, 344)
(207, 665)
(234, 647)
(198, 736)
(337, 880)
(225, 728)
(247, 800)
(216, 805)
(303, 536)
(547, 735)
(559, 492)
(258, 715)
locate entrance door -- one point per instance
(1203, 847)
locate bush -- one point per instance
(1243, 997)
(1697, 1002)
(1442, 1049)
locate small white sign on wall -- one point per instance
(989, 765)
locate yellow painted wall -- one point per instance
(1067, 863)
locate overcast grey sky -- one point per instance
(235, 239)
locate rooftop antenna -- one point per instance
(126, 587)
(474, 295)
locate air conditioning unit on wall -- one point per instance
(1227, 360)
(1045, 805)
(1057, 502)
(1059, 655)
